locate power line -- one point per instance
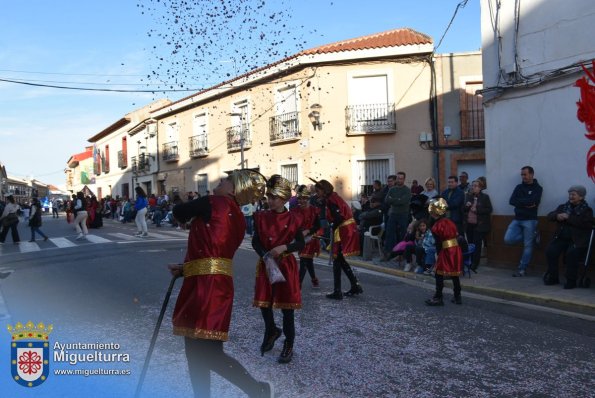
(115, 90)
(66, 74)
(462, 4)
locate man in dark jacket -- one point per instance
(455, 198)
(525, 199)
(575, 223)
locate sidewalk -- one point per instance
(498, 282)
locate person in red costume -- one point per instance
(203, 309)
(345, 238)
(310, 226)
(450, 256)
(277, 233)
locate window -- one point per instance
(202, 184)
(290, 172)
(285, 124)
(198, 142)
(170, 147)
(370, 106)
(126, 190)
(123, 155)
(240, 127)
(106, 159)
(368, 170)
(472, 123)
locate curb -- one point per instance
(510, 295)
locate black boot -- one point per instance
(355, 290)
(269, 340)
(286, 353)
(335, 295)
(550, 279)
(434, 301)
(456, 300)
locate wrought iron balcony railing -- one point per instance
(170, 151)
(198, 146)
(235, 135)
(472, 125)
(122, 160)
(140, 164)
(370, 118)
(285, 127)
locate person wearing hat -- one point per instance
(278, 233)
(310, 229)
(450, 256)
(345, 238)
(202, 313)
(574, 225)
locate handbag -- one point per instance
(10, 219)
(272, 269)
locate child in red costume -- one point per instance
(310, 226)
(450, 256)
(274, 231)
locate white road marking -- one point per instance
(97, 239)
(62, 242)
(28, 247)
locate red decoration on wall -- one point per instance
(586, 113)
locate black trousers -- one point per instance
(456, 283)
(476, 237)
(288, 323)
(573, 256)
(13, 230)
(340, 264)
(205, 356)
(306, 264)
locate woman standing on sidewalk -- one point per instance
(478, 211)
(80, 216)
(35, 220)
(140, 205)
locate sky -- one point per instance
(149, 45)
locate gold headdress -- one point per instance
(438, 207)
(279, 186)
(303, 192)
(249, 185)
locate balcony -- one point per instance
(370, 118)
(140, 164)
(235, 135)
(198, 146)
(285, 127)
(472, 127)
(104, 165)
(170, 151)
(122, 160)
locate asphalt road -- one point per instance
(385, 343)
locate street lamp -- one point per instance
(238, 114)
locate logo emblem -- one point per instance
(29, 353)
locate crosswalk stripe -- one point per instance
(124, 236)
(175, 233)
(62, 242)
(97, 239)
(161, 236)
(27, 247)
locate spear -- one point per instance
(154, 338)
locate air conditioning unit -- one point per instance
(152, 129)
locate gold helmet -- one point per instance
(302, 191)
(248, 185)
(279, 186)
(438, 207)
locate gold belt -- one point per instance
(208, 266)
(450, 243)
(337, 237)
